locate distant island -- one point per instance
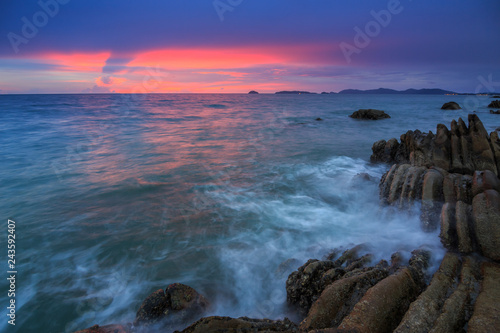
(295, 92)
(385, 91)
(253, 92)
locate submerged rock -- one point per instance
(178, 304)
(450, 106)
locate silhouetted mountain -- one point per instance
(386, 91)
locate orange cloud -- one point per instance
(108, 81)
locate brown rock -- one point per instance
(485, 317)
(495, 145)
(412, 186)
(383, 305)
(337, 299)
(176, 305)
(426, 309)
(482, 153)
(453, 316)
(484, 180)
(486, 215)
(441, 148)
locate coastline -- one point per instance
(454, 173)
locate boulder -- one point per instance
(370, 114)
(494, 104)
(178, 304)
(450, 106)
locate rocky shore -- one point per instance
(452, 176)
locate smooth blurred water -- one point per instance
(116, 196)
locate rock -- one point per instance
(370, 114)
(486, 215)
(305, 285)
(253, 92)
(318, 119)
(243, 324)
(453, 315)
(495, 112)
(383, 305)
(432, 199)
(107, 329)
(426, 308)
(484, 180)
(178, 304)
(463, 213)
(448, 226)
(485, 317)
(337, 300)
(450, 106)
(495, 104)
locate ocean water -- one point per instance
(115, 196)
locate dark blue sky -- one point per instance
(271, 44)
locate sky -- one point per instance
(234, 46)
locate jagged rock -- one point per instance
(305, 285)
(462, 149)
(486, 215)
(454, 315)
(338, 299)
(370, 114)
(494, 104)
(176, 305)
(485, 317)
(450, 106)
(426, 309)
(243, 324)
(383, 305)
(457, 187)
(107, 329)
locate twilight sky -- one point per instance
(74, 46)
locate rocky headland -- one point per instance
(452, 176)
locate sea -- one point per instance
(115, 196)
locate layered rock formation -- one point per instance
(453, 175)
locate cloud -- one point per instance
(107, 81)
